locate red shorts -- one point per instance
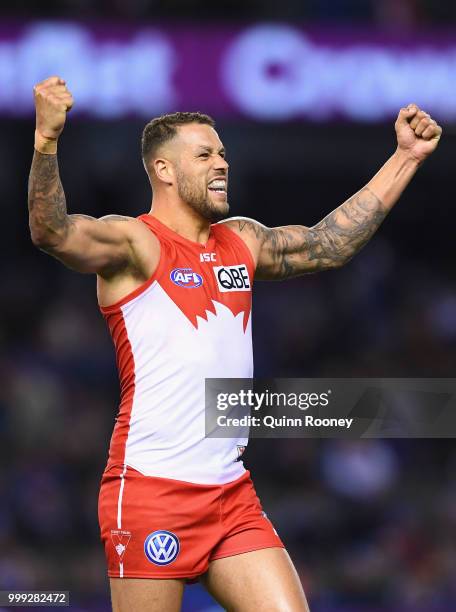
(161, 528)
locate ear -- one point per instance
(163, 170)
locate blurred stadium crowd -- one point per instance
(383, 12)
(371, 525)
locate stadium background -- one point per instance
(370, 525)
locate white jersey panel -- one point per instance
(167, 422)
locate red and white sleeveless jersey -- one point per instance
(190, 321)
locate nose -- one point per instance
(221, 163)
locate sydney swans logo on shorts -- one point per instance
(232, 278)
(120, 540)
(161, 547)
(185, 277)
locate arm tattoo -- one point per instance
(49, 221)
(46, 199)
(347, 229)
(293, 250)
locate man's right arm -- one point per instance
(103, 246)
(81, 242)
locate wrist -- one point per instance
(406, 157)
(47, 146)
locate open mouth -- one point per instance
(218, 186)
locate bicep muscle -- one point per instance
(94, 245)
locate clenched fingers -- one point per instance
(50, 82)
(433, 130)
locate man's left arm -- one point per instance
(283, 252)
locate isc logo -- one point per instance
(207, 257)
(232, 278)
(185, 277)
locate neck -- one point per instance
(181, 218)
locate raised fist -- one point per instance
(52, 102)
(417, 133)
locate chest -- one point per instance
(195, 277)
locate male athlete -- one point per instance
(175, 285)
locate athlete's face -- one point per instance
(202, 171)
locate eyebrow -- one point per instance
(209, 149)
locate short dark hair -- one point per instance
(164, 128)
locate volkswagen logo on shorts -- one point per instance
(161, 547)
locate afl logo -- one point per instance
(161, 547)
(185, 277)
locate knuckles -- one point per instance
(51, 86)
(53, 95)
(420, 116)
(421, 122)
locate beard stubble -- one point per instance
(197, 198)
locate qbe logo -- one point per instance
(232, 278)
(161, 547)
(185, 277)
